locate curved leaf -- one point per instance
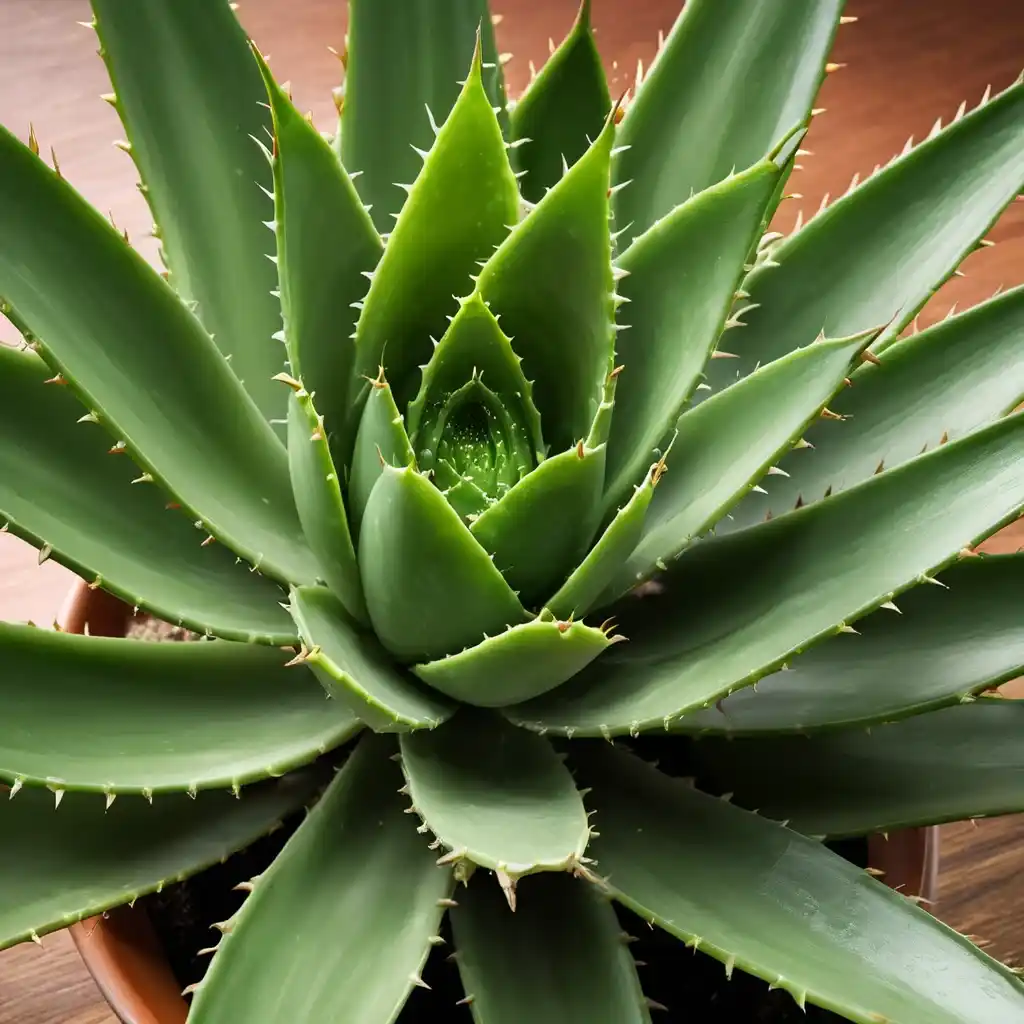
(783, 907)
(340, 925)
(562, 109)
(60, 490)
(736, 608)
(431, 590)
(354, 668)
(735, 77)
(191, 100)
(145, 718)
(523, 662)
(560, 957)
(496, 796)
(129, 347)
(73, 863)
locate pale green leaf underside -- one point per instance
(77, 861)
(559, 958)
(340, 924)
(495, 795)
(784, 907)
(137, 717)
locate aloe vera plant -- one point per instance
(438, 448)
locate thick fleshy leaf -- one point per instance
(67, 864)
(737, 78)
(496, 796)
(550, 282)
(560, 957)
(430, 588)
(326, 244)
(736, 608)
(542, 527)
(144, 718)
(522, 662)
(320, 504)
(878, 254)
(62, 492)
(339, 926)
(783, 907)
(436, 244)
(949, 642)
(191, 100)
(724, 446)
(129, 347)
(352, 666)
(563, 108)
(682, 277)
(394, 84)
(949, 765)
(941, 383)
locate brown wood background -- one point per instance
(909, 61)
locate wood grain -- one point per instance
(908, 62)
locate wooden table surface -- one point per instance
(908, 62)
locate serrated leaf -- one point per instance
(60, 489)
(496, 796)
(550, 283)
(736, 78)
(682, 276)
(944, 382)
(392, 79)
(339, 926)
(138, 717)
(436, 244)
(73, 863)
(191, 100)
(129, 347)
(520, 663)
(353, 667)
(562, 109)
(430, 588)
(560, 957)
(750, 601)
(783, 907)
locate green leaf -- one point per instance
(522, 662)
(145, 718)
(949, 642)
(431, 590)
(560, 957)
(496, 796)
(191, 100)
(681, 278)
(879, 253)
(136, 356)
(339, 926)
(405, 58)
(321, 507)
(541, 528)
(736, 608)
(354, 668)
(949, 765)
(60, 491)
(944, 382)
(436, 244)
(326, 243)
(73, 863)
(550, 282)
(783, 907)
(736, 78)
(724, 446)
(563, 108)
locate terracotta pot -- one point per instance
(124, 955)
